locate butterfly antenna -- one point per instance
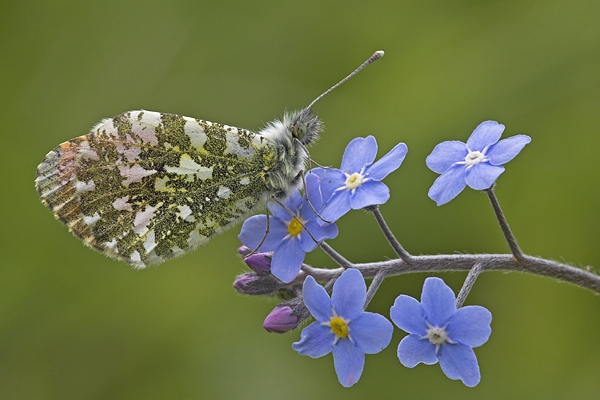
(376, 56)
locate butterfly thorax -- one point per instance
(289, 138)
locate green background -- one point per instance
(77, 325)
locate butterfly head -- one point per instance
(306, 126)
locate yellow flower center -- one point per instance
(294, 227)
(354, 181)
(339, 327)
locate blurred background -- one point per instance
(77, 325)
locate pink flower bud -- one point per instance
(280, 320)
(259, 263)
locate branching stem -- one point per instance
(464, 262)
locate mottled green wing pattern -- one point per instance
(145, 186)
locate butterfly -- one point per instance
(144, 186)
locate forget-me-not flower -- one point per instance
(288, 238)
(358, 184)
(342, 327)
(478, 163)
(440, 332)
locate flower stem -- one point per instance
(375, 283)
(510, 238)
(335, 256)
(400, 252)
(465, 262)
(329, 285)
(468, 285)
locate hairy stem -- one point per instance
(464, 262)
(375, 283)
(400, 252)
(468, 285)
(335, 256)
(510, 238)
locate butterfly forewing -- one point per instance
(145, 186)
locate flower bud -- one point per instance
(259, 263)
(286, 316)
(244, 251)
(280, 320)
(253, 284)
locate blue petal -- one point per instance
(388, 163)
(307, 242)
(368, 194)
(459, 362)
(486, 134)
(470, 326)
(413, 350)
(348, 362)
(328, 231)
(359, 152)
(318, 233)
(448, 185)
(292, 202)
(253, 232)
(438, 301)
(507, 149)
(278, 211)
(331, 179)
(445, 154)
(287, 260)
(316, 300)
(408, 314)
(315, 341)
(371, 332)
(314, 195)
(306, 211)
(483, 175)
(349, 294)
(337, 205)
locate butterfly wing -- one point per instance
(144, 186)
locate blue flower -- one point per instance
(288, 237)
(342, 327)
(478, 163)
(357, 185)
(440, 332)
